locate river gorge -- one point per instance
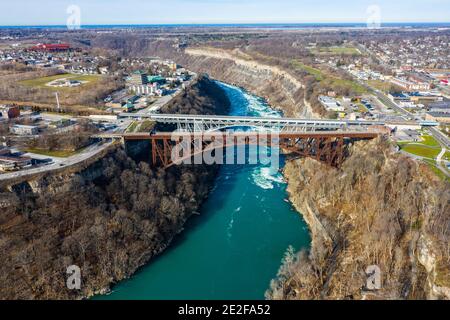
(235, 246)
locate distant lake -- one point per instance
(286, 26)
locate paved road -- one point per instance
(441, 163)
(59, 163)
(388, 102)
(439, 136)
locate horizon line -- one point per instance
(223, 23)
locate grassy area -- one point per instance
(361, 108)
(53, 153)
(447, 156)
(430, 141)
(132, 127)
(146, 126)
(380, 85)
(433, 166)
(334, 82)
(421, 150)
(335, 50)
(312, 71)
(42, 82)
(328, 80)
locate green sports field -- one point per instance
(42, 82)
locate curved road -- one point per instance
(58, 163)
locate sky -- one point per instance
(55, 12)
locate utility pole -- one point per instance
(57, 102)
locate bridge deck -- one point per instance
(283, 135)
(185, 118)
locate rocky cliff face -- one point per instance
(379, 209)
(282, 90)
(108, 218)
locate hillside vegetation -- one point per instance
(109, 218)
(379, 209)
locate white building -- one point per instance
(24, 130)
(151, 90)
(331, 104)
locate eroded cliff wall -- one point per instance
(380, 208)
(282, 90)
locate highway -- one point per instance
(439, 136)
(389, 103)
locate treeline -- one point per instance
(11, 68)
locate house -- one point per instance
(103, 70)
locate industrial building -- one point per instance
(443, 106)
(23, 130)
(442, 117)
(49, 47)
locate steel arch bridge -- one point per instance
(323, 140)
(200, 123)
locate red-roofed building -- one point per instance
(51, 47)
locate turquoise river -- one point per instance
(235, 247)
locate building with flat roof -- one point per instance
(9, 162)
(443, 106)
(51, 47)
(409, 85)
(331, 104)
(442, 117)
(24, 130)
(139, 77)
